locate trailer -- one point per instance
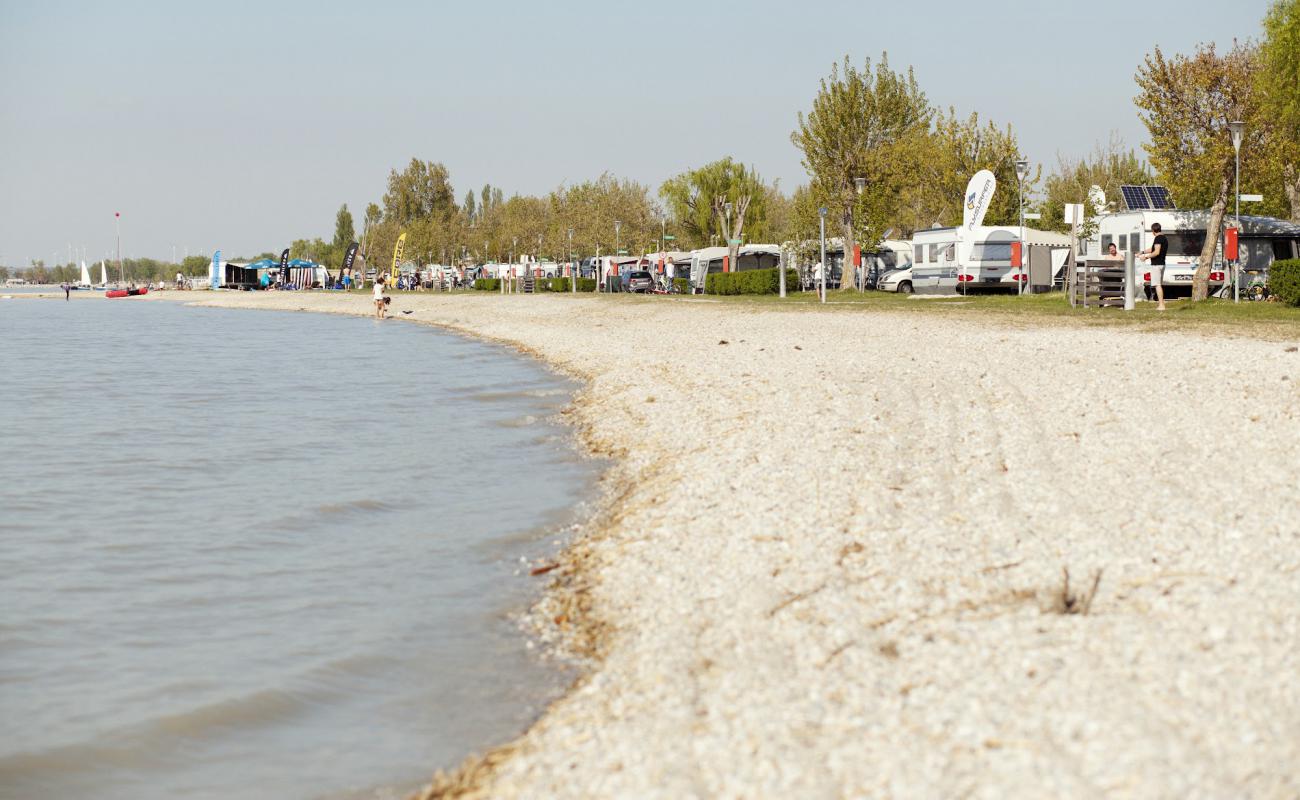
(950, 261)
(1261, 241)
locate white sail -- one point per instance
(85, 274)
(103, 274)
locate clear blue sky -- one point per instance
(244, 125)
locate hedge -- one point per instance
(753, 281)
(563, 285)
(1284, 281)
(682, 285)
(488, 284)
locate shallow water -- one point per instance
(256, 554)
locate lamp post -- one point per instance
(1022, 170)
(573, 272)
(861, 185)
(618, 224)
(821, 289)
(1237, 128)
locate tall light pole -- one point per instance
(618, 224)
(1022, 170)
(1238, 128)
(573, 272)
(821, 213)
(861, 185)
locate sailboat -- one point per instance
(84, 283)
(103, 276)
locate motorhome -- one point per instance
(708, 260)
(944, 261)
(1262, 241)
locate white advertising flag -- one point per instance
(979, 193)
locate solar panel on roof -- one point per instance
(1135, 197)
(1159, 197)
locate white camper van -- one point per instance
(1263, 240)
(945, 262)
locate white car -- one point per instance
(897, 280)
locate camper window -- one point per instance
(919, 254)
(1186, 243)
(934, 252)
(1134, 242)
(1106, 239)
(991, 251)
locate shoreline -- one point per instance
(770, 606)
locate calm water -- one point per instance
(252, 554)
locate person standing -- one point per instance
(67, 291)
(1156, 254)
(380, 305)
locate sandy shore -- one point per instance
(831, 558)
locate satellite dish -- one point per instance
(1098, 199)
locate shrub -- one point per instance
(586, 284)
(683, 285)
(753, 281)
(488, 284)
(553, 285)
(1284, 281)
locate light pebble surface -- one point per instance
(830, 547)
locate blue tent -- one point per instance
(264, 263)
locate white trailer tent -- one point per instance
(708, 260)
(945, 262)
(1262, 241)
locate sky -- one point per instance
(244, 125)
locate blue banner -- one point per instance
(216, 269)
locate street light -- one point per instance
(821, 212)
(861, 185)
(1237, 128)
(1022, 170)
(573, 273)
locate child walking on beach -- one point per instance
(380, 305)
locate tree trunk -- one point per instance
(1291, 182)
(1201, 279)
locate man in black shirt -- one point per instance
(1159, 249)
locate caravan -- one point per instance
(949, 260)
(1263, 240)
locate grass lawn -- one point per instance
(1257, 320)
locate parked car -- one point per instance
(638, 281)
(897, 280)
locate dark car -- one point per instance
(638, 281)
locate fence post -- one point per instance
(1129, 271)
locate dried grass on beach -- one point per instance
(833, 555)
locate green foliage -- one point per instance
(344, 234)
(488, 284)
(1284, 280)
(586, 284)
(753, 281)
(863, 124)
(695, 202)
(1279, 167)
(682, 285)
(1108, 167)
(553, 285)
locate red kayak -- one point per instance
(126, 292)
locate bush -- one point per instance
(586, 284)
(683, 285)
(553, 285)
(488, 284)
(753, 281)
(1284, 281)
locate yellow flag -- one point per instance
(397, 253)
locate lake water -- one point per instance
(254, 554)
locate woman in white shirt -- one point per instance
(380, 306)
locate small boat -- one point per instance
(126, 292)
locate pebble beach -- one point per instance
(855, 553)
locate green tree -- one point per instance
(718, 199)
(423, 189)
(1186, 104)
(1280, 86)
(468, 205)
(1108, 168)
(344, 234)
(863, 124)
